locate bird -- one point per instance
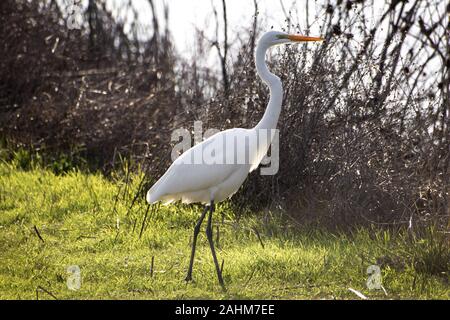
(214, 170)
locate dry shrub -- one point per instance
(364, 127)
(95, 89)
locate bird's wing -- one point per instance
(199, 168)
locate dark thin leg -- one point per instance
(143, 221)
(209, 235)
(194, 243)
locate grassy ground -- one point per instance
(84, 220)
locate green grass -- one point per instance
(84, 220)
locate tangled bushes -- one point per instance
(364, 127)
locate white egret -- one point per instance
(193, 178)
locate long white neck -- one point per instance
(272, 113)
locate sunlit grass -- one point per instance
(85, 220)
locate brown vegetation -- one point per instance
(364, 129)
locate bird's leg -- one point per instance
(194, 243)
(209, 235)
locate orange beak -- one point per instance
(299, 38)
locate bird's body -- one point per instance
(214, 169)
(190, 182)
(215, 177)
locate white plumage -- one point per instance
(214, 169)
(189, 181)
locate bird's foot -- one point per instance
(224, 289)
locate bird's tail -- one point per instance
(152, 195)
(155, 193)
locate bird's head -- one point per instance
(272, 38)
